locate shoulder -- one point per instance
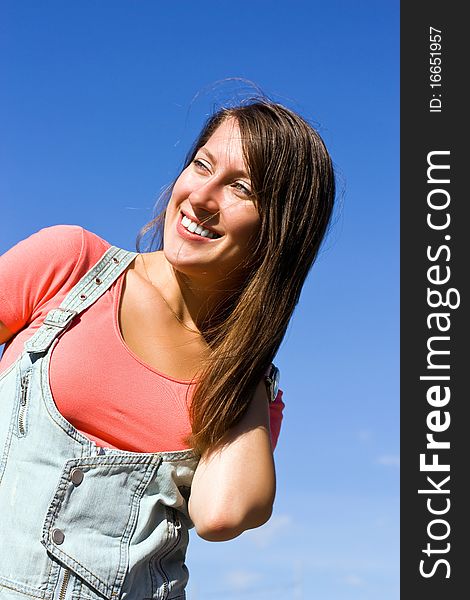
(68, 240)
(62, 245)
(58, 241)
(71, 250)
(42, 267)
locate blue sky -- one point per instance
(99, 102)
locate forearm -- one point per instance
(234, 486)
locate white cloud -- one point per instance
(389, 460)
(364, 435)
(264, 536)
(242, 579)
(353, 580)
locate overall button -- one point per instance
(76, 476)
(58, 536)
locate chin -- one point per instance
(185, 264)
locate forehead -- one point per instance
(225, 143)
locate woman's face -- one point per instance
(210, 219)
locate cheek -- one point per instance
(246, 225)
(179, 193)
(250, 232)
(183, 185)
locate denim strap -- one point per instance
(90, 287)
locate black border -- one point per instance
(422, 132)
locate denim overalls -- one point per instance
(79, 522)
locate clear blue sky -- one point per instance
(99, 101)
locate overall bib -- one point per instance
(80, 522)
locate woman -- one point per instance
(97, 492)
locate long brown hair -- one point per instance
(293, 183)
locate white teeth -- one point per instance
(196, 228)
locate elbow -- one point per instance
(217, 530)
(224, 525)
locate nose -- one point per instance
(206, 198)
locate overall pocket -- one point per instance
(93, 516)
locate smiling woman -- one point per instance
(212, 191)
(150, 375)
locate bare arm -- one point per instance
(234, 487)
(5, 333)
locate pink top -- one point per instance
(98, 384)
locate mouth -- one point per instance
(194, 227)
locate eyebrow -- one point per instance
(214, 160)
(208, 152)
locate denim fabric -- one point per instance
(78, 521)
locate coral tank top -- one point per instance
(98, 384)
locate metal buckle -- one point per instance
(64, 316)
(272, 382)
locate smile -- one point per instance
(197, 229)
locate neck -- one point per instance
(193, 298)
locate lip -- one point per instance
(187, 235)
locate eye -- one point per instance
(200, 165)
(242, 188)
